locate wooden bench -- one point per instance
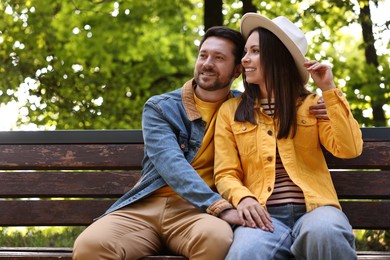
(86, 171)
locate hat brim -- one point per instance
(252, 20)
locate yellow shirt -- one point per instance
(245, 154)
(203, 162)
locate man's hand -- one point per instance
(319, 110)
(231, 216)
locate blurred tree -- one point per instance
(212, 13)
(378, 97)
(359, 68)
(92, 64)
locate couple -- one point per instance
(276, 191)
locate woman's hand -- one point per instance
(250, 210)
(321, 74)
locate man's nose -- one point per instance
(208, 62)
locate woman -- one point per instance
(269, 163)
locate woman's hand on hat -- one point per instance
(321, 74)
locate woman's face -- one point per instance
(251, 60)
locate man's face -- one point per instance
(214, 68)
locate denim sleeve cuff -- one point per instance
(217, 207)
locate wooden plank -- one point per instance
(362, 184)
(373, 255)
(51, 212)
(349, 184)
(362, 214)
(66, 184)
(68, 157)
(375, 155)
(121, 136)
(367, 214)
(72, 137)
(15, 253)
(376, 133)
(58, 253)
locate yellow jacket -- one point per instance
(245, 153)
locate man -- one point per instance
(175, 205)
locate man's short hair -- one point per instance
(227, 33)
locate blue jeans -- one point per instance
(323, 233)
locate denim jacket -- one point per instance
(173, 131)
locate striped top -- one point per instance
(285, 190)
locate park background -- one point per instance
(91, 64)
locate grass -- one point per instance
(366, 240)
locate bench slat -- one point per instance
(116, 156)
(47, 253)
(375, 155)
(68, 157)
(367, 215)
(349, 184)
(362, 184)
(15, 253)
(51, 212)
(82, 212)
(66, 184)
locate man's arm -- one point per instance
(319, 110)
(167, 155)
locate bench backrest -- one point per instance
(66, 178)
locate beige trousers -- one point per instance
(146, 227)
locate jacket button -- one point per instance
(303, 121)
(182, 146)
(269, 189)
(243, 128)
(269, 132)
(269, 158)
(340, 94)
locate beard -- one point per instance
(212, 83)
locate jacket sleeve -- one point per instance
(228, 173)
(165, 148)
(341, 134)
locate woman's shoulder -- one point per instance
(310, 99)
(304, 104)
(231, 103)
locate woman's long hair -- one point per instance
(281, 77)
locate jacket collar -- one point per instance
(187, 95)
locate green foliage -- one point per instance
(94, 63)
(327, 25)
(39, 236)
(373, 240)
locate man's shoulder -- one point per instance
(236, 93)
(173, 96)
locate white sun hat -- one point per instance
(291, 36)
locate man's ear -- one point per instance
(237, 70)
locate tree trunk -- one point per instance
(212, 13)
(248, 7)
(378, 100)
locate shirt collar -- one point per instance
(187, 93)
